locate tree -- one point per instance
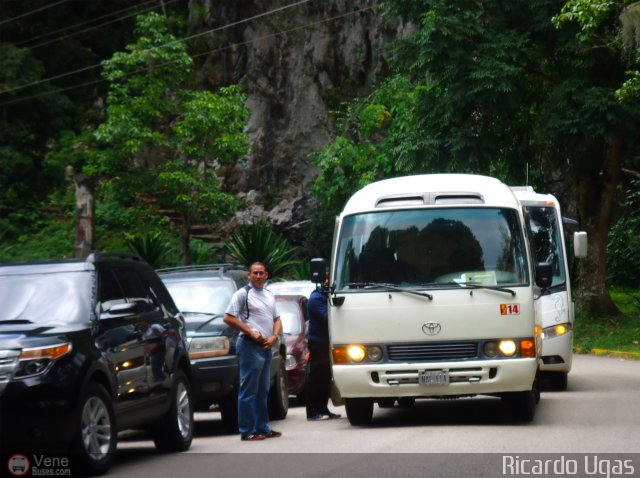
(498, 89)
(164, 140)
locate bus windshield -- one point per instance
(420, 248)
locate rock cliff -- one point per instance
(297, 61)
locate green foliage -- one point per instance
(260, 243)
(378, 141)
(146, 86)
(162, 141)
(204, 253)
(24, 130)
(301, 271)
(212, 126)
(623, 247)
(152, 247)
(51, 239)
(589, 14)
(181, 187)
(620, 333)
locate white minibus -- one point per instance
(433, 295)
(555, 307)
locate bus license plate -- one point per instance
(432, 378)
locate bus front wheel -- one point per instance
(359, 411)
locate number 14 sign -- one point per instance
(509, 309)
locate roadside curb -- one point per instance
(610, 353)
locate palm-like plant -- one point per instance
(150, 246)
(258, 242)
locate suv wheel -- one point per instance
(279, 395)
(95, 438)
(175, 430)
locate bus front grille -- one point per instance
(433, 351)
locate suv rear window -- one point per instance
(205, 296)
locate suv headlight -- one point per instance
(34, 361)
(205, 347)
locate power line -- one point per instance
(98, 26)
(92, 20)
(216, 50)
(32, 12)
(91, 67)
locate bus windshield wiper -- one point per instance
(475, 285)
(395, 288)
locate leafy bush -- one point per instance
(54, 240)
(623, 247)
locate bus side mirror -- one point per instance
(544, 275)
(580, 247)
(318, 270)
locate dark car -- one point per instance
(202, 294)
(293, 313)
(90, 347)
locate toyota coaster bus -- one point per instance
(433, 295)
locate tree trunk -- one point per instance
(597, 192)
(184, 240)
(85, 215)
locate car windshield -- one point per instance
(60, 297)
(547, 244)
(419, 248)
(289, 315)
(204, 296)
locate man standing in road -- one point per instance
(252, 311)
(319, 378)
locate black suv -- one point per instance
(90, 347)
(202, 293)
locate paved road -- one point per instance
(598, 414)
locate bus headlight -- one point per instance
(491, 349)
(508, 348)
(357, 353)
(374, 353)
(556, 331)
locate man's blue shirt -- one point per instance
(318, 309)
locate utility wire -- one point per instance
(91, 67)
(32, 12)
(98, 26)
(217, 50)
(92, 20)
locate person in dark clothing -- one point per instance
(319, 378)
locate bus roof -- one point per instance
(431, 190)
(527, 195)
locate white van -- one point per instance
(556, 307)
(433, 294)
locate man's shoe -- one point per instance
(252, 437)
(272, 434)
(333, 416)
(318, 417)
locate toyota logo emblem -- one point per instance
(431, 328)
